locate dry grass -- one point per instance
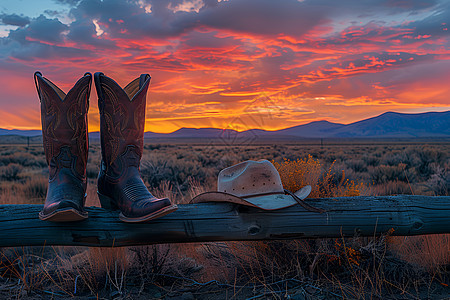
(33, 191)
(429, 251)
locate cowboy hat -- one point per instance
(254, 183)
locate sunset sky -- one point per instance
(235, 64)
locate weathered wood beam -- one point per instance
(347, 216)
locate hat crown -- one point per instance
(250, 178)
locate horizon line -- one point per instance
(323, 120)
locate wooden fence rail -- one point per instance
(206, 222)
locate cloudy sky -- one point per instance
(237, 64)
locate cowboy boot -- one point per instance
(64, 134)
(122, 119)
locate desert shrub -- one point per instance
(7, 151)
(38, 152)
(298, 173)
(423, 158)
(358, 165)
(11, 171)
(394, 159)
(339, 169)
(36, 189)
(331, 186)
(384, 173)
(408, 156)
(23, 158)
(429, 155)
(395, 187)
(337, 155)
(439, 182)
(152, 146)
(176, 171)
(371, 160)
(324, 183)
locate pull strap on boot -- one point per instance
(122, 120)
(64, 133)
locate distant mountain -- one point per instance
(188, 133)
(387, 125)
(391, 124)
(312, 130)
(20, 132)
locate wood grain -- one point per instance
(204, 222)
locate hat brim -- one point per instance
(303, 192)
(266, 202)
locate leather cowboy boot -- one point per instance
(122, 119)
(64, 133)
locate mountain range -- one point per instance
(386, 125)
(26, 133)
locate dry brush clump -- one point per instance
(295, 174)
(11, 172)
(23, 175)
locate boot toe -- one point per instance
(149, 209)
(63, 211)
(68, 204)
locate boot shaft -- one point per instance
(64, 124)
(122, 119)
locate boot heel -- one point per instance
(106, 202)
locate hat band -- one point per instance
(263, 194)
(303, 203)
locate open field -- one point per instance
(357, 268)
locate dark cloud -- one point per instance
(15, 20)
(369, 7)
(35, 51)
(68, 2)
(40, 29)
(435, 24)
(264, 17)
(53, 13)
(410, 4)
(83, 33)
(128, 19)
(40, 39)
